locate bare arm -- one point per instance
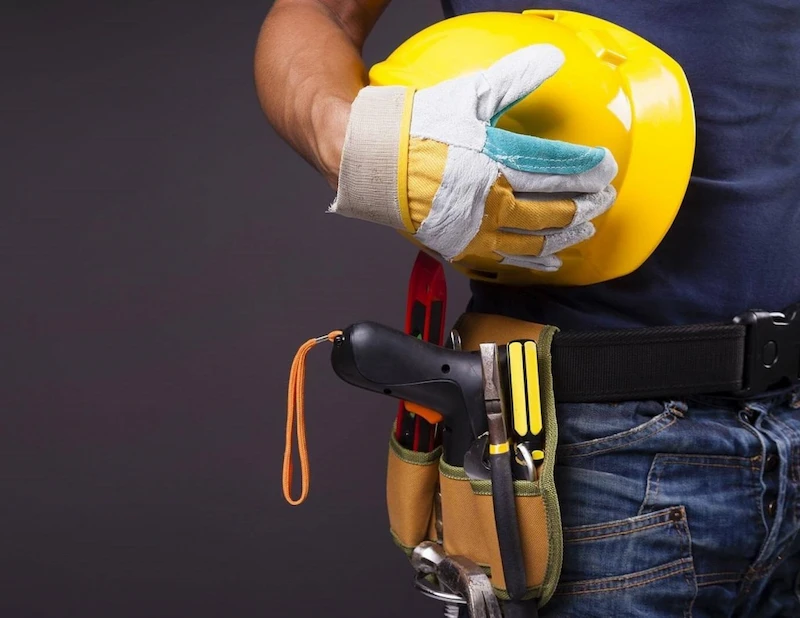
(308, 70)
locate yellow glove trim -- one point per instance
(426, 161)
(403, 158)
(503, 210)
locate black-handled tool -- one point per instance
(384, 360)
(503, 501)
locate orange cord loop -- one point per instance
(297, 380)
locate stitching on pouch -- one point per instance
(616, 583)
(616, 442)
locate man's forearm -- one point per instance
(308, 70)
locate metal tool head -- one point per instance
(524, 468)
(467, 579)
(491, 373)
(427, 556)
(478, 468)
(476, 462)
(454, 340)
(464, 581)
(492, 394)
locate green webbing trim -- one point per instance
(451, 472)
(484, 488)
(418, 458)
(530, 593)
(547, 480)
(406, 550)
(521, 488)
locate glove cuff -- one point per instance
(372, 172)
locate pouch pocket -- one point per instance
(469, 528)
(411, 481)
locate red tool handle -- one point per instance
(425, 318)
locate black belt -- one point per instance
(758, 352)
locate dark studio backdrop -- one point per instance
(163, 254)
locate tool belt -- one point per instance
(430, 500)
(480, 513)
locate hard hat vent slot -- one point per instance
(612, 57)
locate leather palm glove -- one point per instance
(433, 163)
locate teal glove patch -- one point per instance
(534, 154)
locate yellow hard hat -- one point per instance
(615, 89)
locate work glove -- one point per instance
(433, 163)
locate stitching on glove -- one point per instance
(497, 155)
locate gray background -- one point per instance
(162, 255)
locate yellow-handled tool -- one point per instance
(526, 404)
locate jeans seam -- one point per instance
(617, 534)
(662, 460)
(747, 583)
(685, 533)
(794, 440)
(756, 468)
(750, 577)
(622, 442)
(662, 572)
(651, 482)
(709, 465)
(764, 569)
(691, 581)
(722, 580)
(658, 517)
(682, 458)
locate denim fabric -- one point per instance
(679, 509)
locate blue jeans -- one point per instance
(684, 508)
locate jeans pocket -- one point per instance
(639, 566)
(594, 429)
(723, 498)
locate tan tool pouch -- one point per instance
(467, 513)
(411, 484)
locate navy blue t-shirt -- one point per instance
(735, 243)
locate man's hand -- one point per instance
(308, 71)
(432, 162)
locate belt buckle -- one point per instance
(772, 349)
